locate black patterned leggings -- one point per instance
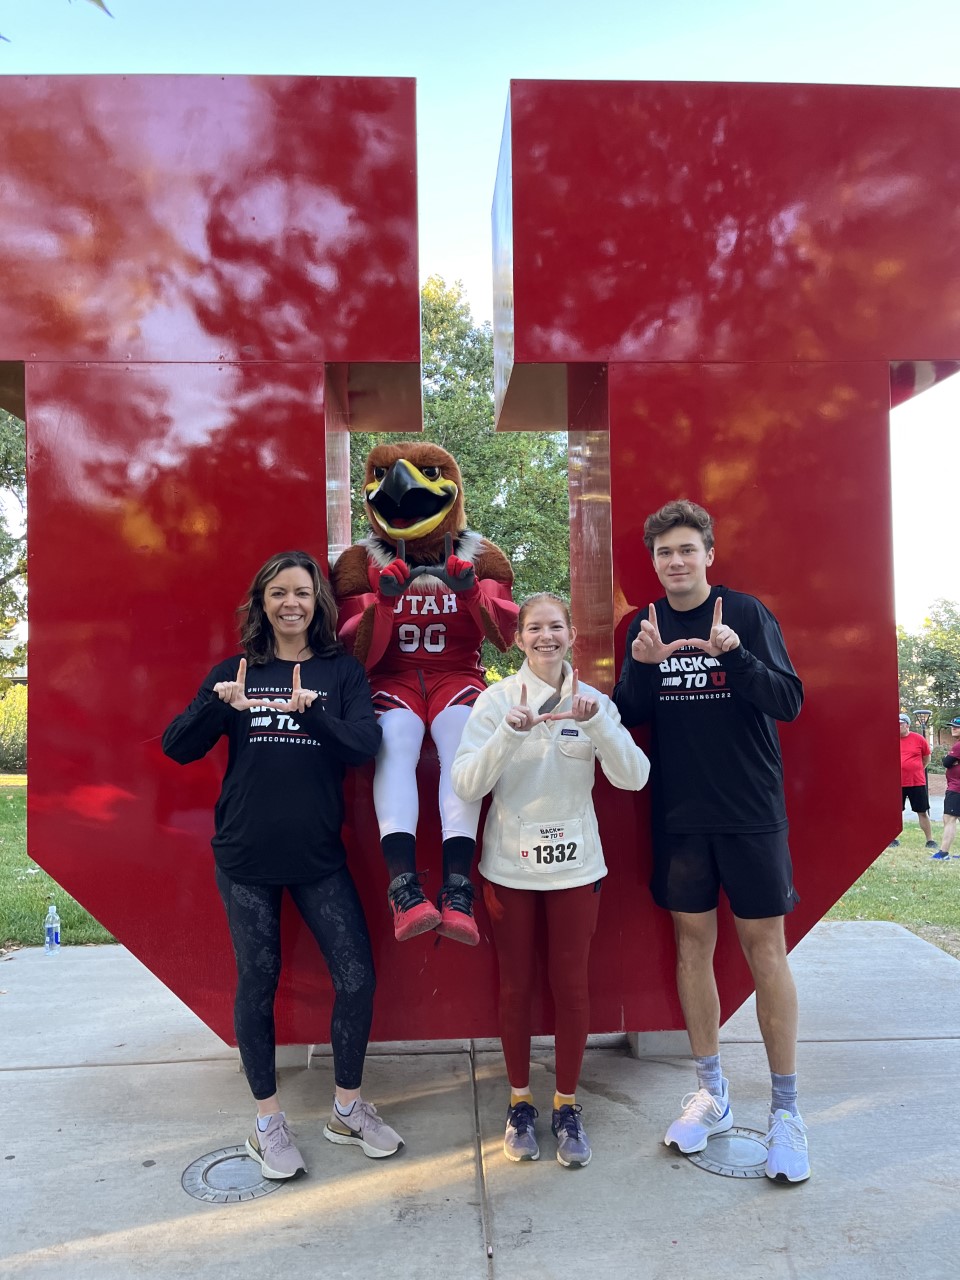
(332, 912)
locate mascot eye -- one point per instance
(432, 473)
(379, 473)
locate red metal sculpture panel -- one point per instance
(208, 282)
(717, 288)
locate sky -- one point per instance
(463, 58)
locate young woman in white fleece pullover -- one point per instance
(532, 740)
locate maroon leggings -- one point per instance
(571, 916)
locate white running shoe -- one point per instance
(787, 1159)
(702, 1116)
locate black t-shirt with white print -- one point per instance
(280, 810)
(715, 758)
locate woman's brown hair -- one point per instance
(256, 633)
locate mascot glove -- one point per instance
(461, 576)
(394, 579)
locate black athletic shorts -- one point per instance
(951, 804)
(919, 800)
(754, 870)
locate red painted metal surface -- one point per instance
(729, 222)
(718, 289)
(206, 283)
(191, 218)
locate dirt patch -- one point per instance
(945, 938)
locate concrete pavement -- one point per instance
(112, 1088)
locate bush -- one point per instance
(13, 729)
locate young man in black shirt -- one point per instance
(708, 668)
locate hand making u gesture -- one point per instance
(723, 639)
(299, 698)
(582, 706)
(234, 692)
(522, 717)
(648, 647)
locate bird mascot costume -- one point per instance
(417, 598)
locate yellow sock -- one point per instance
(564, 1100)
(523, 1095)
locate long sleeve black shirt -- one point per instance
(715, 758)
(280, 810)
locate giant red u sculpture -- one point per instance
(208, 282)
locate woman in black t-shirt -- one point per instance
(296, 711)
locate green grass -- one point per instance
(905, 886)
(25, 890)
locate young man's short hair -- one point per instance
(674, 515)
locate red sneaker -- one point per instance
(412, 913)
(456, 911)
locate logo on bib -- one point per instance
(569, 733)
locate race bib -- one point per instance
(550, 846)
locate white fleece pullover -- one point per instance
(541, 831)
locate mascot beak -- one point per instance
(407, 504)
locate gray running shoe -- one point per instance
(363, 1128)
(573, 1147)
(520, 1140)
(275, 1151)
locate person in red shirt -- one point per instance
(951, 800)
(914, 754)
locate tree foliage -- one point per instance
(913, 690)
(929, 663)
(13, 729)
(515, 482)
(13, 542)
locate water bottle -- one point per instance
(51, 932)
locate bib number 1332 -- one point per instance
(548, 853)
(550, 845)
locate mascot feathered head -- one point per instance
(413, 490)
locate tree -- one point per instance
(515, 482)
(939, 657)
(913, 684)
(929, 663)
(13, 542)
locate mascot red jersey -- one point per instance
(417, 599)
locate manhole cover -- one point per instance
(738, 1153)
(227, 1176)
